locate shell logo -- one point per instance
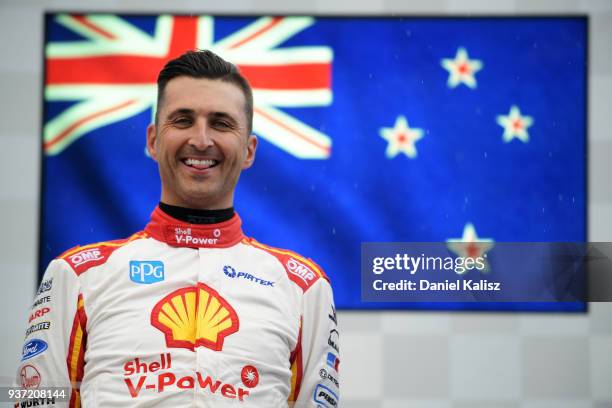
(195, 316)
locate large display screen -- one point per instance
(371, 129)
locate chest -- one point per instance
(223, 304)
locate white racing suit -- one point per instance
(183, 315)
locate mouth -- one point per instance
(200, 164)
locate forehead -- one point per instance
(203, 96)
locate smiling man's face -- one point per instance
(201, 142)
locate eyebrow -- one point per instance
(181, 111)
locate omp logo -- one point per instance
(146, 271)
(83, 257)
(195, 316)
(301, 271)
(326, 397)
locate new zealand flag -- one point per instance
(371, 130)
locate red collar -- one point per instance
(177, 233)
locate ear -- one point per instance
(151, 140)
(250, 155)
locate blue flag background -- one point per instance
(102, 186)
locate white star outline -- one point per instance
(461, 69)
(471, 246)
(401, 138)
(515, 125)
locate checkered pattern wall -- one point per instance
(450, 360)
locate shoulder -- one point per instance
(302, 271)
(82, 258)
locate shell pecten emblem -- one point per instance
(195, 316)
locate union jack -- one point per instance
(113, 72)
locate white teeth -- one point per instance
(206, 163)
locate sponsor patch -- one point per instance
(137, 366)
(147, 272)
(37, 327)
(333, 340)
(195, 316)
(332, 315)
(249, 376)
(189, 237)
(325, 375)
(40, 301)
(33, 348)
(40, 402)
(83, 257)
(326, 397)
(45, 286)
(301, 271)
(30, 377)
(232, 273)
(38, 313)
(158, 376)
(333, 361)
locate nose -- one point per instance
(201, 138)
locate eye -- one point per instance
(220, 124)
(182, 121)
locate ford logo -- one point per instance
(33, 348)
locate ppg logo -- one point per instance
(146, 271)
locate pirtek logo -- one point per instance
(231, 272)
(301, 271)
(165, 380)
(185, 236)
(86, 256)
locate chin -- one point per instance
(200, 199)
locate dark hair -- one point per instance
(205, 64)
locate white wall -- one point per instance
(409, 359)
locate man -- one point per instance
(189, 311)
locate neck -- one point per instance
(197, 216)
